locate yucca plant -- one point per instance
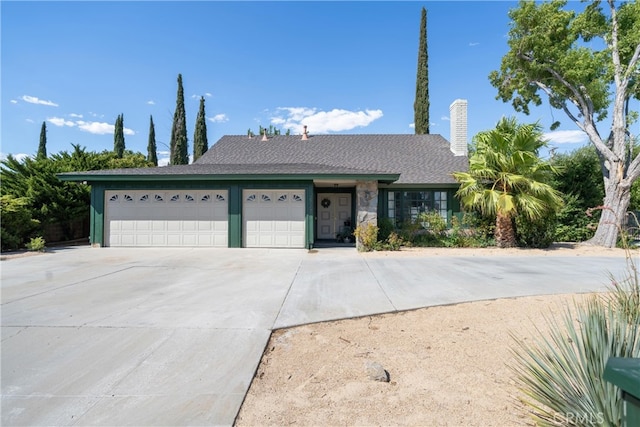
(560, 375)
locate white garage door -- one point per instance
(166, 218)
(274, 218)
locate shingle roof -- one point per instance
(419, 159)
(236, 169)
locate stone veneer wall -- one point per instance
(366, 204)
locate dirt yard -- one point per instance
(447, 365)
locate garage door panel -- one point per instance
(190, 239)
(297, 226)
(158, 240)
(204, 226)
(166, 218)
(127, 225)
(283, 226)
(143, 240)
(189, 226)
(144, 225)
(274, 218)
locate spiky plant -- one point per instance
(561, 375)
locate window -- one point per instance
(440, 203)
(407, 205)
(392, 204)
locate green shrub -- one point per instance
(536, 233)
(409, 229)
(392, 243)
(573, 223)
(433, 222)
(36, 244)
(367, 235)
(17, 223)
(386, 226)
(428, 240)
(461, 235)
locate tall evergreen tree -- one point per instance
(200, 143)
(179, 152)
(421, 104)
(42, 148)
(152, 154)
(118, 136)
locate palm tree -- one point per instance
(507, 178)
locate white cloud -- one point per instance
(445, 118)
(74, 115)
(163, 158)
(567, 137)
(336, 120)
(474, 44)
(13, 101)
(18, 156)
(412, 125)
(219, 118)
(59, 121)
(208, 95)
(96, 128)
(36, 100)
(30, 120)
(151, 102)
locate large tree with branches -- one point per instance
(587, 66)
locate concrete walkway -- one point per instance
(174, 336)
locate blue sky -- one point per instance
(338, 67)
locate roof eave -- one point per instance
(89, 178)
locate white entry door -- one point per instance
(273, 218)
(334, 209)
(166, 218)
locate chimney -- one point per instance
(458, 129)
(305, 135)
(264, 136)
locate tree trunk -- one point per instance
(614, 214)
(505, 234)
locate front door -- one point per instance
(334, 210)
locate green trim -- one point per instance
(97, 215)
(235, 216)
(91, 178)
(310, 217)
(396, 187)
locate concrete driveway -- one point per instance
(174, 336)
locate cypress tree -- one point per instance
(200, 143)
(421, 104)
(152, 155)
(42, 148)
(178, 145)
(118, 136)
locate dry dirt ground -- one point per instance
(447, 365)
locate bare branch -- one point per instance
(633, 172)
(580, 102)
(568, 112)
(615, 53)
